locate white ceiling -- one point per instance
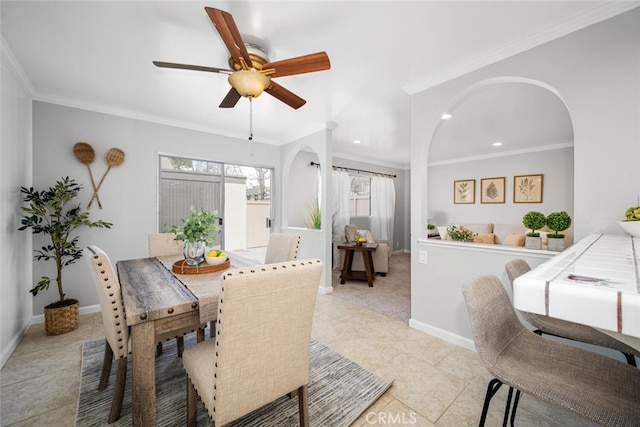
(98, 55)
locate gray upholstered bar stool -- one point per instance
(591, 385)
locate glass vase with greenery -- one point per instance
(198, 232)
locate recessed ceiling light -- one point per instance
(446, 116)
(357, 141)
(497, 144)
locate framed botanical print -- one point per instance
(492, 190)
(527, 188)
(464, 191)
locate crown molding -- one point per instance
(16, 69)
(593, 16)
(549, 147)
(129, 114)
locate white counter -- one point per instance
(595, 282)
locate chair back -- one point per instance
(263, 335)
(493, 319)
(108, 287)
(516, 268)
(281, 248)
(163, 244)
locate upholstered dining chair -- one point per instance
(163, 244)
(262, 346)
(282, 247)
(564, 329)
(116, 331)
(594, 386)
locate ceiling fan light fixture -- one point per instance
(249, 83)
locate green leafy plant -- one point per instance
(49, 213)
(430, 227)
(315, 217)
(558, 222)
(201, 226)
(460, 233)
(534, 221)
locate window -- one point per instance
(240, 194)
(360, 196)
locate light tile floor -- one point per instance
(435, 383)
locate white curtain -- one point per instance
(341, 194)
(341, 209)
(383, 205)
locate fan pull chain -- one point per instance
(250, 118)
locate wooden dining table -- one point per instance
(157, 300)
(595, 282)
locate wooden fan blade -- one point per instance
(285, 95)
(191, 67)
(302, 64)
(231, 99)
(230, 35)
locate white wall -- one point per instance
(129, 192)
(596, 71)
(302, 181)
(313, 243)
(15, 172)
(555, 165)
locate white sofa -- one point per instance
(380, 256)
(489, 233)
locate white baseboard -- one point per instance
(8, 350)
(443, 335)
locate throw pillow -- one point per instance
(350, 232)
(488, 238)
(514, 240)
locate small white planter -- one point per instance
(556, 244)
(533, 242)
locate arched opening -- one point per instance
(533, 126)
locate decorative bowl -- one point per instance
(214, 260)
(631, 227)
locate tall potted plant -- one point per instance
(50, 212)
(533, 221)
(198, 232)
(558, 222)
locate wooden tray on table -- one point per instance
(181, 267)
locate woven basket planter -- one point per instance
(60, 320)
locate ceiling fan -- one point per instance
(251, 73)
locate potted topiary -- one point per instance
(558, 222)
(198, 232)
(48, 214)
(533, 221)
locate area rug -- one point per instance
(339, 392)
